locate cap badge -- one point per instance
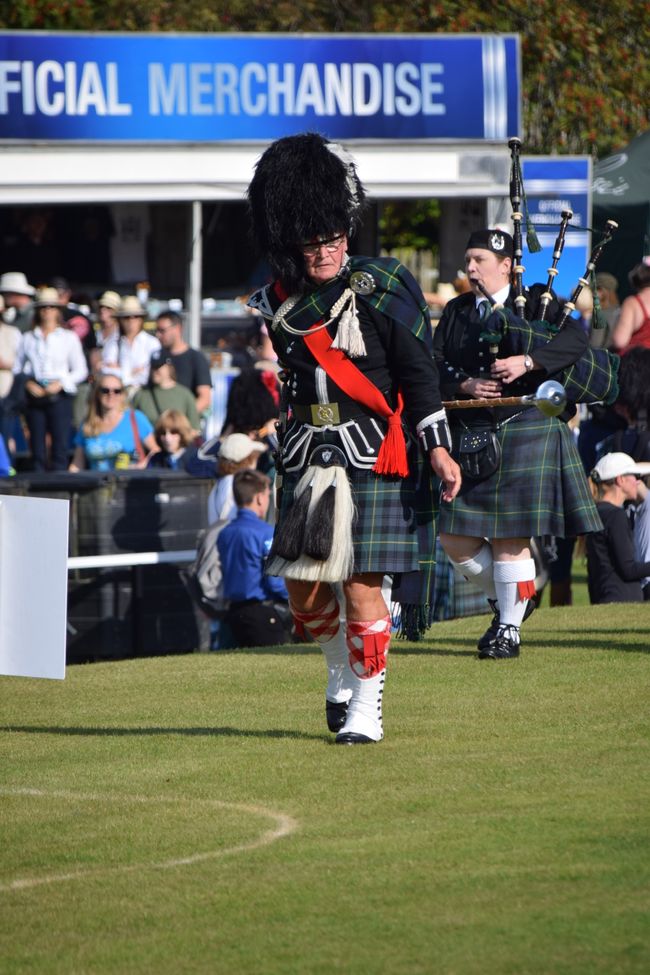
(497, 242)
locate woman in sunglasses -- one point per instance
(112, 436)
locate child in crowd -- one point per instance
(174, 435)
(614, 573)
(237, 452)
(259, 604)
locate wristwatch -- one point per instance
(528, 363)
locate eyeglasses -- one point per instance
(110, 390)
(330, 244)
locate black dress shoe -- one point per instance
(336, 713)
(492, 630)
(353, 738)
(505, 645)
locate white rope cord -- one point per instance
(279, 321)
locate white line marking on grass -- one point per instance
(283, 826)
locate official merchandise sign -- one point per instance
(554, 184)
(236, 87)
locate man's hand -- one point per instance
(482, 388)
(444, 465)
(509, 369)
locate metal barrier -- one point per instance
(136, 562)
(129, 559)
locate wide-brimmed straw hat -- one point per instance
(130, 305)
(15, 282)
(48, 298)
(110, 299)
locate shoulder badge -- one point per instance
(362, 282)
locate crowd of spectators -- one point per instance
(106, 386)
(85, 384)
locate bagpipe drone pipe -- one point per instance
(593, 377)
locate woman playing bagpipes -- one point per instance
(522, 476)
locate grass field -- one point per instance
(190, 814)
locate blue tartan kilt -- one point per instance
(384, 530)
(540, 487)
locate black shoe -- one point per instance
(492, 630)
(336, 712)
(354, 738)
(505, 645)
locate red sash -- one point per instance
(392, 454)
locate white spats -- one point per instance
(368, 643)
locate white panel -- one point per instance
(101, 174)
(33, 586)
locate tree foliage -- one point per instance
(585, 66)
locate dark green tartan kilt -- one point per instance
(384, 530)
(540, 487)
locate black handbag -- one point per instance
(478, 453)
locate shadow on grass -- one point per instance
(225, 732)
(581, 641)
(397, 646)
(636, 641)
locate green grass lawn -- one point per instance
(190, 814)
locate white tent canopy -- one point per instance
(46, 173)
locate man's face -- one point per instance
(487, 267)
(323, 257)
(263, 500)
(13, 300)
(167, 332)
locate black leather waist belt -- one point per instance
(326, 414)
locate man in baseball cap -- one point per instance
(616, 465)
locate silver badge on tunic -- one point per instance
(362, 282)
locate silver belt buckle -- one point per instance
(322, 414)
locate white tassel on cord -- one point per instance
(340, 564)
(348, 336)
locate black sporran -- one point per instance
(478, 453)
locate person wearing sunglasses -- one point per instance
(131, 348)
(365, 427)
(113, 435)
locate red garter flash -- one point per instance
(367, 646)
(526, 589)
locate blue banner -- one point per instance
(253, 88)
(554, 184)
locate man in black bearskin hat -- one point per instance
(361, 401)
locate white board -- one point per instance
(33, 586)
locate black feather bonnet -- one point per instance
(304, 186)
